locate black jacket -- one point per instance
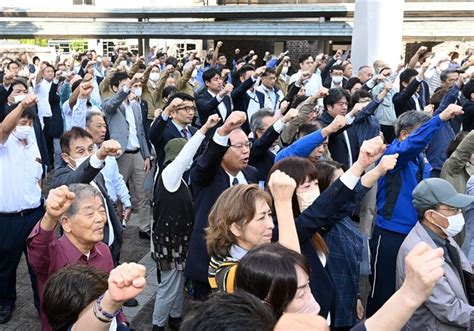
(208, 181)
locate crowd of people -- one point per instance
(267, 189)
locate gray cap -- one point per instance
(435, 191)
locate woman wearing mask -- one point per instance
(305, 206)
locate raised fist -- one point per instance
(281, 186)
(109, 148)
(59, 200)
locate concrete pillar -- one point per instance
(377, 33)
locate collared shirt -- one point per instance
(47, 254)
(114, 183)
(240, 177)
(221, 107)
(180, 129)
(20, 174)
(133, 142)
(42, 91)
(271, 97)
(237, 252)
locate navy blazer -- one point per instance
(260, 155)
(241, 100)
(403, 100)
(160, 133)
(85, 174)
(56, 127)
(208, 181)
(337, 144)
(332, 205)
(207, 105)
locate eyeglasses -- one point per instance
(188, 108)
(248, 144)
(452, 210)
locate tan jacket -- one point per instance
(458, 169)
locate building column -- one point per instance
(377, 33)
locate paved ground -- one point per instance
(134, 250)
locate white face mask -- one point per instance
(22, 132)
(284, 70)
(154, 76)
(337, 79)
(456, 223)
(194, 74)
(306, 199)
(137, 91)
(19, 98)
(78, 161)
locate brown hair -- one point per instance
(300, 169)
(234, 205)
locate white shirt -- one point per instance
(313, 85)
(253, 106)
(221, 107)
(20, 174)
(42, 92)
(133, 142)
(272, 97)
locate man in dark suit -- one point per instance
(245, 97)
(82, 165)
(223, 164)
(266, 131)
(345, 140)
(414, 91)
(174, 122)
(216, 99)
(336, 78)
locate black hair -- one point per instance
(69, 291)
(210, 74)
(351, 82)
(245, 69)
(405, 77)
(230, 312)
(455, 143)
(12, 62)
(268, 71)
(29, 113)
(269, 272)
(362, 93)
(68, 136)
(75, 85)
(297, 100)
(437, 96)
(468, 89)
(181, 95)
(168, 91)
(308, 128)
(117, 77)
(444, 74)
(20, 81)
(334, 95)
(336, 67)
(325, 170)
(303, 58)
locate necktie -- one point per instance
(184, 132)
(235, 181)
(456, 260)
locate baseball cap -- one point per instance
(434, 191)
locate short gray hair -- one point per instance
(81, 191)
(256, 121)
(90, 114)
(410, 120)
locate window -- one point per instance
(83, 2)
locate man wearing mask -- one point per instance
(396, 214)
(449, 307)
(81, 164)
(125, 123)
(336, 78)
(20, 205)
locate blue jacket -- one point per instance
(436, 152)
(301, 147)
(395, 210)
